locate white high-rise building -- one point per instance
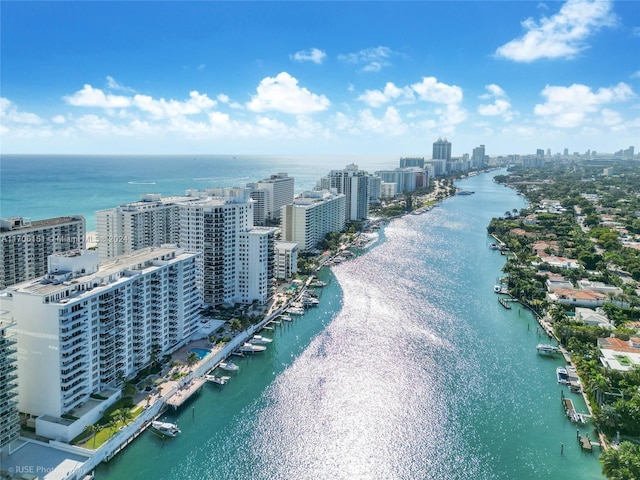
(152, 221)
(83, 328)
(286, 256)
(354, 184)
(271, 194)
(25, 245)
(311, 216)
(221, 227)
(256, 272)
(9, 421)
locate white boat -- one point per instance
(562, 375)
(217, 379)
(229, 366)
(310, 302)
(250, 347)
(295, 311)
(318, 283)
(285, 317)
(501, 289)
(165, 428)
(260, 340)
(543, 348)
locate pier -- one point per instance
(184, 393)
(504, 303)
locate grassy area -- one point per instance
(623, 360)
(106, 432)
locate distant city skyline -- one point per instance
(327, 78)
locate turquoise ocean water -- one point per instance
(409, 369)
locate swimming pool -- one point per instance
(201, 352)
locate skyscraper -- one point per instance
(442, 150)
(477, 159)
(9, 422)
(354, 184)
(235, 259)
(271, 194)
(84, 327)
(152, 221)
(25, 245)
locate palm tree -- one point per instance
(127, 415)
(92, 430)
(192, 359)
(113, 425)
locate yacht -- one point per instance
(295, 311)
(543, 348)
(217, 379)
(562, 375)
(318, 283)
(259, 340)
(285, 317)
(250, 347)
(229, 366)
(165, 428)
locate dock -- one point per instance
(585, 442)
(182, 395)
(504, 303)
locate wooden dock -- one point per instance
(585, 442)
(182, 395)
(504, 303)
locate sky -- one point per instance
(322, 78)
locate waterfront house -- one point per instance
(582, 298)
(592, 317)
(619, 354)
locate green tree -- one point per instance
(192, 359)
(622, 463)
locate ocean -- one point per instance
(45, 186)
(408, 369)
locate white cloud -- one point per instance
(112, 84)
(376, 98)
(201, 67)
(500, 105)
(314, 55)
(430, 90)
(94, 97)
(568, 107)
(562, 35)
(282, 94)
(636, 74)
(373, 59)
(59, 119)
(9, 114)
(389, 124)
(162, 108)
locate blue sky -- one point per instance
(319, 77)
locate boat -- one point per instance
(251, 348)
(562, 375)
(295, 311)
(285, 317)
(165, 428)
(494, 246)
(502, 289)
(465, 192)
(217, 379)
(259, 340)
(229, 366)
(544, 348)
(310, 302)
(318, 283)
